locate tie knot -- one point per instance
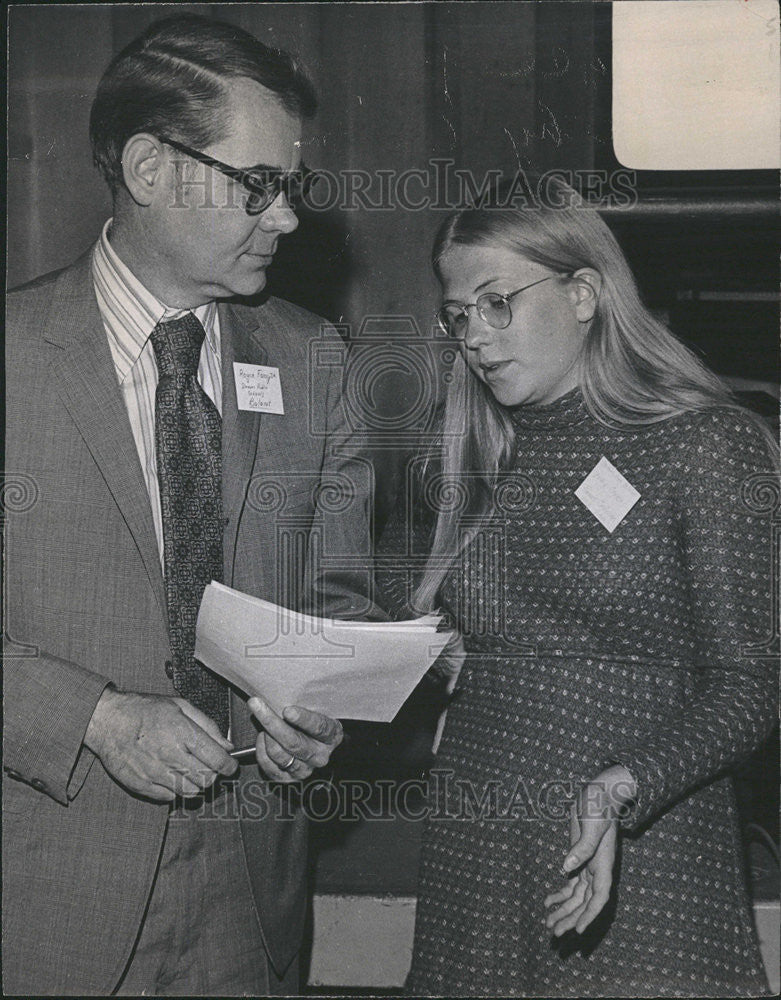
(177, 345)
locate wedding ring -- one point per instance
(290, 763)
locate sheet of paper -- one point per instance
(348, 670)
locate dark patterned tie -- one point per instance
(189, 470)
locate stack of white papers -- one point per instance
(348, 670)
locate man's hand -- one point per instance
(593, 841)
(155, 746)
(290, 747)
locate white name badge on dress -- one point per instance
(258, 388)
(607, 494)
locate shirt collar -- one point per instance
(130, 311)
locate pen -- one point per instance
(245, 752)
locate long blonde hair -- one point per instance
(633, 371)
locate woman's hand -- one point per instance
(593, 838)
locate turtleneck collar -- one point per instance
(562, 412)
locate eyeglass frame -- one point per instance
(249, 179)
(476, 305)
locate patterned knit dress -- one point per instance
(651, 647)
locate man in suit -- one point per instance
(137, 856)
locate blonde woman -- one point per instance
(584, 840)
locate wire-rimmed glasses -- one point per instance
(492, 307)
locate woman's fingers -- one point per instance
(593, 838)
(562, 895)
(592, 909)
(602, 868)
(555, 918)
(578, 907)
(569, 921)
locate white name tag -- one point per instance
(607, 494)
(258, 388)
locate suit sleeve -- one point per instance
(48, 705)
(47, 700)
(728, 498)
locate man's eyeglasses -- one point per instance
(492, 307)
(263, 185)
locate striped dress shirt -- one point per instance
(130, 312)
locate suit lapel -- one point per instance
(87, 383)
(240, 428)
(86, 380)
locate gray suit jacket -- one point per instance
(86, 605)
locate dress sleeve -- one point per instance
(728, 500)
